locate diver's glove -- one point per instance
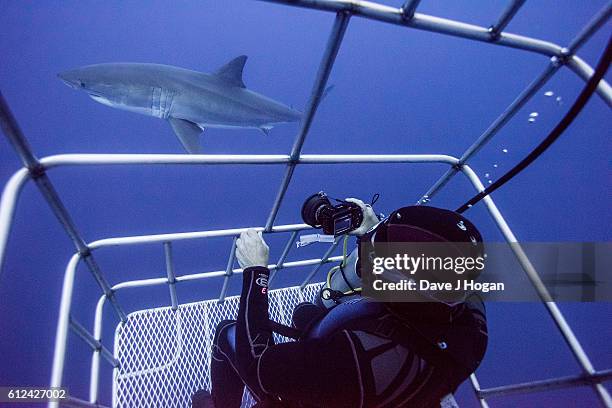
(252, 250)
(369, 217)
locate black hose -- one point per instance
(583, 98)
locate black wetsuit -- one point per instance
(360, 354)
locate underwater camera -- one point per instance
(319, 212)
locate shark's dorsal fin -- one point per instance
(188, 133)
(232, 71)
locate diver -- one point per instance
(351, 350)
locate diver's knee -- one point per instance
(222, 326)
(304, 314)
(221, 342)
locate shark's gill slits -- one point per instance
(161, 101)
(155, 99)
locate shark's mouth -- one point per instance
(100, 99)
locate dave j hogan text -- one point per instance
(423, 284)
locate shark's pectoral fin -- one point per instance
(232, 71)
(188, 133)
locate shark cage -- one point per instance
(160, 356)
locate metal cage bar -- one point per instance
(409, 8)
(505, 18)
(320, 264)
(38, 173)
(327, 62)
(476, 387)
(547, 385)
(284, 254)
(95, 344)
(591, 28)
(171, 274)
(229, 271)
(393, 15)
(495, 127)
(573, 62)
(551, 306)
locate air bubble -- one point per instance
(490, 181)
(534, 114)
(487, 175)
(559, 100)
(549, 93)
(495, 165)
(505, 150)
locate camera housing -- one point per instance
(319, 212)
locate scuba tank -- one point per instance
(342, 283)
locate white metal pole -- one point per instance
(505, 18)
(551, 306)
(94, 383)
(10, 195)
(325, 67)
(393, 15)
(63, 323)
(495, 127)
(171, 274)
(228, 270)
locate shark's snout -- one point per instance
(70, 80)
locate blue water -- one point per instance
(396, 91)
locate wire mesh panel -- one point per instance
(164, 355)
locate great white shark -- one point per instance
(190, 100)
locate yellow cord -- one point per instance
(342, 265)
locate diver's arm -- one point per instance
(312, 370)
(253, 335)
(324, 371)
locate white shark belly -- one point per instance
(157, 102)
(129, 108)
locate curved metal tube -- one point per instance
(166, 159)
(393, 15)
(10, 195)
(419, 21)
(585, 71)
(551, 306)
(63, 324)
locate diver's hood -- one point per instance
(420, 224)
(423, 224)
